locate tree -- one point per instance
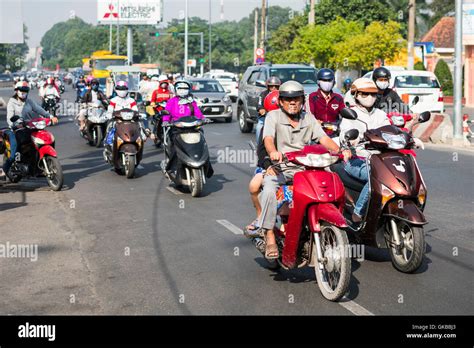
(444, 76)
(440, 8)
(365, 11)
(13, 55)
(379, 41)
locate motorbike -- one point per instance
(126, 149)
(394, 216)
(187, 160)
(311, 229)
(96, 122)
(155, 111)
(62, 88)
(36, 154)
(51, 104)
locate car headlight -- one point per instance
(317, 161)
(225, 99)
(395, 141)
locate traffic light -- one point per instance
(155, 34)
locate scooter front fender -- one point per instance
(325, 212)
(405, 210)
(47, 150)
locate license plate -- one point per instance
(215, 109)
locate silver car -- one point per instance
(212, 99)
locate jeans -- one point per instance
(258, 129)
(13, 146)
(357, 168)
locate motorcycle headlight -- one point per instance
(191, 138)
(317, 161)
(422, 195)
(39, 124)
(126, 115)
(395, 141)
(387, 194)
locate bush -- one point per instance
(444, 76)
(419, 66)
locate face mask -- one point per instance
(368, 101)
(21, 95)
(122, 94)
(182, 92)
(382, 85)
(164, 85)
(326, 86)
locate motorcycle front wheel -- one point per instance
(55, 178)
(410, 257)
(197, 183)
(333, 272)
(130, 167)
(98, 136)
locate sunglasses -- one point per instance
(290, 99)
(366, 94)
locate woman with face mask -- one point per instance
(324, 104)
(19, 110)
(365, 92)
(182, 104)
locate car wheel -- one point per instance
(245, 127)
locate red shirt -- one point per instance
(326, 111)
(160, 95)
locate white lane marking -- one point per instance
(354, 307)
(230, 226)
(173, 190)
(216, 133)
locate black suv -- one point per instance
(253, 83)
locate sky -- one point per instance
(40, 15)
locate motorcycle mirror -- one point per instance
(348, 114)
(415, 100)
(351, 134)
(424, 116)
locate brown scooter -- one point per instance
(126, 151)
(394, 217)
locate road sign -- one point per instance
(192, 63)
(259, 52)
(133, 12)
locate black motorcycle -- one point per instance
(187, 160)
(50, 104)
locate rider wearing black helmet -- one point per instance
(387, 100)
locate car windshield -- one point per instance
(410, 81)
(4, 76)
(305, 76)
(102, 64)
(207, 86)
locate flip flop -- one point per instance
(271, 252)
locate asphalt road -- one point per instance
(108, 245)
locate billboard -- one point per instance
(136, 12)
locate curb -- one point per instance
(438, 130)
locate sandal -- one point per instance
(271, 251)
(253, 226)
(256, 231)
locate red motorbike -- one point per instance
(312, 225)
(36, 155)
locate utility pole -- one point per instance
(202, 54)
(458, 73)
(110, 38)
(311, 13)
(255, 37)
(129, 45)
(210, 35)
(186, 38)
(411, 34)
(118, 33)
(262, 24)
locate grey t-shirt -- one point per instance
(287, 138)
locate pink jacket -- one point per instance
(177, 110)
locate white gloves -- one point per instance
(419, 144)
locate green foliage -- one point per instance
(445, 77)
(13, 55)
(440, 8)
(419, 66)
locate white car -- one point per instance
(227, 80)
(423, 84)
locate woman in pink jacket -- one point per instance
(182, 104)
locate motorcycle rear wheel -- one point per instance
(333, 280)
(56, 180)
(99, 136)
(411, 256)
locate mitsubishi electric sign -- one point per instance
(129, 11)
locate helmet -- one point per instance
(94, 82)
(364, 84)
(273, 81)
(163, 78)
(121, 86)
(381, 72)
(325, 74)
(182, 84)
(50, 81)
(22, 86)
(81, 76)
(348, 82)
(89, 79)
(155, 78)
(291, 89)
(271, 101)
